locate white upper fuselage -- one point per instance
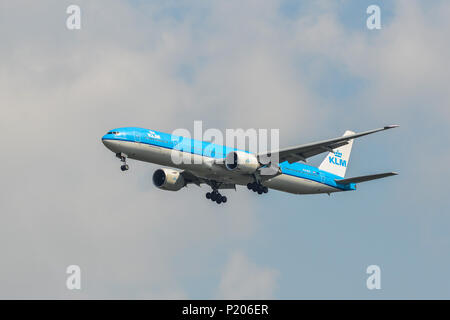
(157, 147)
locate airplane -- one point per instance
(222, 167)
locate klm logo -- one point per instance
(152, 134)
(337, 159)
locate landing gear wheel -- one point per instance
(123, 159)
(257, 187)
(215, 195)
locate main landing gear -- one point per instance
(257, 187)
(123, 159)
(216, 197)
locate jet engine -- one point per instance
(168, 179)
(242, 162)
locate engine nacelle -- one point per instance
(242, 162)
(168, 179)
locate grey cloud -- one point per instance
(63, 198)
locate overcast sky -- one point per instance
(309, 68)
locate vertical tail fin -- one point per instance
(336, 162)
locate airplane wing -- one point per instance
(365, 178)
(305, 151)
(190, 177)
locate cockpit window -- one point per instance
(113, 132)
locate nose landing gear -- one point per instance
(123, 159)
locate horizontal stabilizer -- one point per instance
(365, 178)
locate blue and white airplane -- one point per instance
(223, 167)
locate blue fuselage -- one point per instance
(214, 151)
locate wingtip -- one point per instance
(391, 126)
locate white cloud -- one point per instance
(243, 279)
(404, 63)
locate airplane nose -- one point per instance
(109, 140)
(105, 141)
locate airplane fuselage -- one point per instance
(159, 148)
